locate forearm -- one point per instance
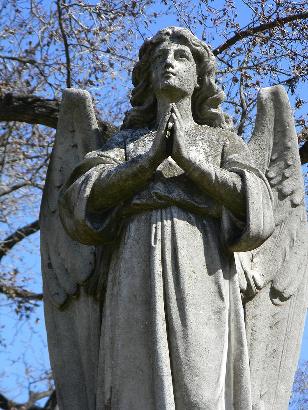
(121, 182)
(224, 186)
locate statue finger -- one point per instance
(164, 120)
(170, 124)
(175, 124)
(177, 115)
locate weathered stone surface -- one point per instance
(173, 230)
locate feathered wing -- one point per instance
(72, 317)
(276, 272)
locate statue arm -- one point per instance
(221, 183)
(91, 200)
(224, 186)
(122, 181)
(243, 191)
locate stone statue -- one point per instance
(174, 255)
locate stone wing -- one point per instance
(66, 263)
(275, 274)
(73, 323)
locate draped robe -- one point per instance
(173, 330)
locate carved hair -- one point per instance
(206, 97)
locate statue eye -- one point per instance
(158, 57)
(181, 55)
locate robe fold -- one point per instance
(173, 329)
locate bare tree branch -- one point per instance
(243, 104)
(17, 236)
(7, 404)
(5, 190)
(66, 46)
(37, 110)
(51, 403)
(19, 59)
(240, 35)
(303, 153)
(30, 109)
(35, 396)
(14, 292)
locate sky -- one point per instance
(25, 354)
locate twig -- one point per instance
(5, 190)
(17, 237)
(14, 292)
(262, 27)
(19, 59)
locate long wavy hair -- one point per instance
(206, 97)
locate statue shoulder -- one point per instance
(117, 144)
(219, 135)
(121, 138)
(117, 140)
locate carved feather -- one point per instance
(275, 313)
(274, 148)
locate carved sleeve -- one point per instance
(222, 183)
(118, 183)
(92, 198)
(243, 191)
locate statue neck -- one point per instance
(183, 105)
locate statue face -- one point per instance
(174, 72)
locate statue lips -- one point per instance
(168, 78)
(168, 74)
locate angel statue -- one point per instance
(174, 255)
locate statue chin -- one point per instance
(172, 90)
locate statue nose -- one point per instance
(169, 66)
(169, 61)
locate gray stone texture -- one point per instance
(174, 256)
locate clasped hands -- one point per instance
(170, 138)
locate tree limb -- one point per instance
(303, 153)
(5, 190)
(19, 59)
(17, 236)
(240, 35)
(16, 292)
(51, 403)
(7, 404)
(66, 46)
(243, 105)
(35, 396)
(30, 109)
(37, 110)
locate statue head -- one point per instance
(206, 95)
